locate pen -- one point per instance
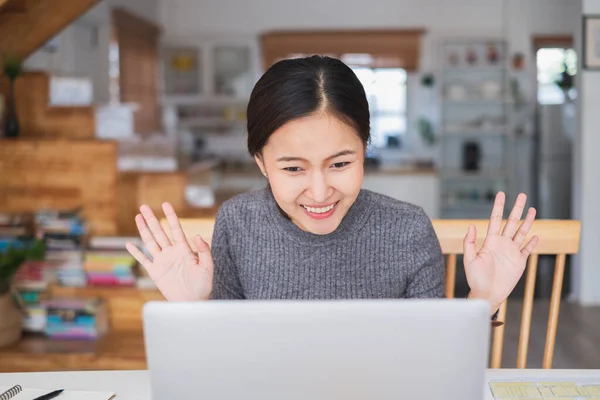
(50, 395)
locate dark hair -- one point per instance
(295, 88)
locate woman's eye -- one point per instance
(340, 165)
(292, 169)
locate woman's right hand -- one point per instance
(178, 272)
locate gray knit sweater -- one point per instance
(383, 248)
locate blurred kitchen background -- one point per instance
(468, 97)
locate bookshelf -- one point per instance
(61, 174)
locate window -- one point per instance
(386, 93)
(552, 63)
(386, 90)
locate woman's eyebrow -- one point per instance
(338, 154)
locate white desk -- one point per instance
(134, 385)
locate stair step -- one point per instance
(22, 33)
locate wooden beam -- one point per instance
(552, 41)
(23, 33)
(13, 6)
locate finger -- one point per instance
(528, 249)
(174, 224)
(146, 236)
(496, 216)
(525, 226)
(514, 217)
(138, 255)
(469, 249)
(201, 245)
(154, 225)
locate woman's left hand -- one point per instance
(494, 270)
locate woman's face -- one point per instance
(315, 170)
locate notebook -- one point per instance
(30, 394)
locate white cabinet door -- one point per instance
(418, 189)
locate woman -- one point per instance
(314, 233)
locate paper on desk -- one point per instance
(30, 394)
(542, 390)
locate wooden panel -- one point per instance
(560, 41)
(401, 48)
(527, 310)
(23, 33)
(13, 6)
(559, 272)
(37, 120)
(128, 204)
(450, 275)
(557, 236)
(157, 188)
(151, 188)
(61, 175)
(138, 67)
(68, 122)
(498, 339)
(192, 227)
(119, 350)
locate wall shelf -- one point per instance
(476, 127)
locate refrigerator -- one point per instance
(554, 147)
(553, 153)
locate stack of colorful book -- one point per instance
(67, 266)
(31, 283)
(107, 263)
(64, 236)
(76, 318)
(109, 268)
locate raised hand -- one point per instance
(179, 273)
(494, 270)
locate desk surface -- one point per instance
(134, 385)
(117, 351)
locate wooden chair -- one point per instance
(192, 227)
(556, 237)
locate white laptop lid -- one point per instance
(317, 350)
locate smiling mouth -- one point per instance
(320, 212)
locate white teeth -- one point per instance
(319, 210)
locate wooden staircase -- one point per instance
(25, 25)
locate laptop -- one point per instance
(429, 349)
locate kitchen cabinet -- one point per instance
(419, 187)
(208, 70)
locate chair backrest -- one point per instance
(192, 227)
(556, 237)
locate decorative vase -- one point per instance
(11, 320)
(11, 122)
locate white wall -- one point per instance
(146, 9)
(456, 17)
(586, 274)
